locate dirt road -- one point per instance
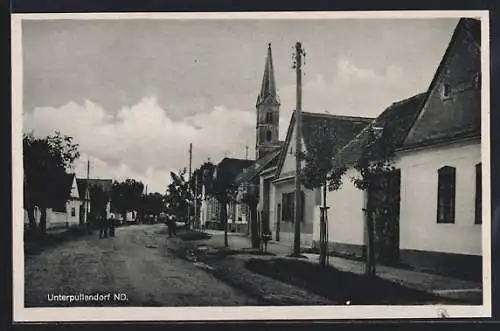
(135, 267)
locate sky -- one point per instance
(135, 93)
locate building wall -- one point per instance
(420, 234)
(419, 229)
(287, 228)
(345, 215)
(73, 220)
(289, 162)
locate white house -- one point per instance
(65, 206)
(436, 138)
(282, 197)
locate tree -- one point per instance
(98, 201)
(320, 172)
(374, 163)
(178, 195)
(153, 204)
(223, 188)
(45, 161)
(126, 196)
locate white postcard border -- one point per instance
(22, 314)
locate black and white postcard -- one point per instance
(251, 166)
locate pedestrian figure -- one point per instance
(103, 231)
(112, 225)
(171, 226)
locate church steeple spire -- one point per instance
(268, 116)
(268, 88)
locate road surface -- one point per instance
(135, 268)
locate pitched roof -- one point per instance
(345, 128)
(232, 167)
(395, 122)
(105, 184)
(268, 88)
(60, 190)
(257, 167)
(437, 121)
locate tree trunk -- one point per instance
(323, 240)
(224, 220)
(254, 226)
(43, 220)
(370, 256)
(31, 218)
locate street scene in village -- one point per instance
(254, 162)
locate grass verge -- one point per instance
(340, 286)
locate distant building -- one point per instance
(65, 204)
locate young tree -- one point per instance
(223, 188)
(178, 196)
(45, 161)
(320, 172)
(373, 165)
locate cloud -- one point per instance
(142, 141)
(352, 91)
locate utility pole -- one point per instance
(298, 139)
(87, 195)
(195, 200)
(188, 223)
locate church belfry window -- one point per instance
(268, 135)
(269, 117)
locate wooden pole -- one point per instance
(188, 223)
(298, 139)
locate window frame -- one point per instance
(446, 88)
(446, 191)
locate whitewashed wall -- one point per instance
(73, 220)
(345, 215)
(418, 227)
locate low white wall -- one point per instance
(345, 215)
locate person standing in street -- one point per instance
(103, 229)
(112, 225)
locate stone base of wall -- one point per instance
(347, 250)
(468, 267)
(289, 237)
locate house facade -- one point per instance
(282, 197)
(437, 182)
(65, 205)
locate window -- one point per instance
(288, 209)
(478, 219)
(73, 211)
(268, 135)
(269, 117)
(446, 195)
(446, 91)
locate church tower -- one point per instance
(268, 115)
